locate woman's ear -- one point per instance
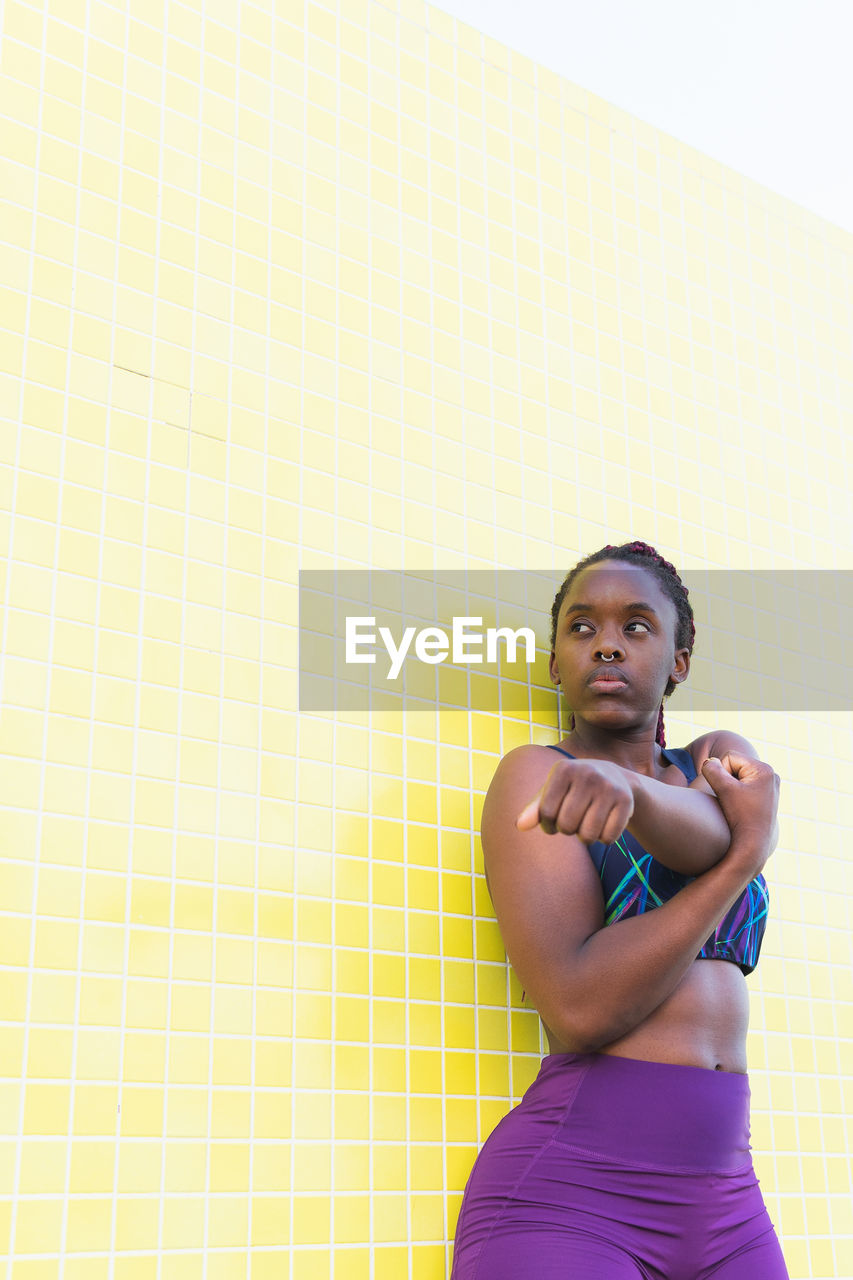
(681, 667)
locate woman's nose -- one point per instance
(609, 648)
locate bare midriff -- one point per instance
(702, 1023)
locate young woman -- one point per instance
(626, 880)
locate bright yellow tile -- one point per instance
(38, 1226)
(88, 1231)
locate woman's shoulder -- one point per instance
(528, 755)
(716, 743)
(529, 763)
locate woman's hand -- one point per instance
(748, 793)
(592, 799)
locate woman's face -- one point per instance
(618, 610)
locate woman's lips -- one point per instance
(609, 686)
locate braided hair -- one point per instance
(640, 553)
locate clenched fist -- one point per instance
(592, 799)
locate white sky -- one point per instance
(764, 86)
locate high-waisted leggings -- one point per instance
(619, 1169)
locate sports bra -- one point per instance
(634, 882)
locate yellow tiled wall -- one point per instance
(287, 286)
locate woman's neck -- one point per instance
(641, 756)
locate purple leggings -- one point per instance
(619, 1169)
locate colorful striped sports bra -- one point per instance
(634, 882)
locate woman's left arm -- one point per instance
(684, 827)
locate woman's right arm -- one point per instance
(592, 984)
